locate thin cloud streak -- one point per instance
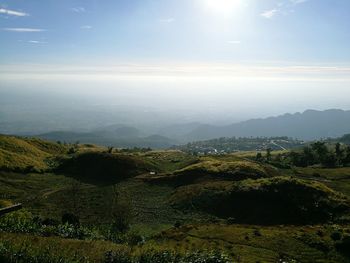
(23, 29)
(12, 12)
(37, 42)
(79, 9)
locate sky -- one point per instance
(206, 53)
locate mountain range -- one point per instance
(308, 125)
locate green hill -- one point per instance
(103, 167)
(211, 169)
(278, 200)
(26, 154)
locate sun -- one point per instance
(222, 7)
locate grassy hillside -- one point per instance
(222, 202)
(103, 167)
(215, 168)
(27, 154)
(277, 200)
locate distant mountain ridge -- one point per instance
(309, 125)
(122, 137)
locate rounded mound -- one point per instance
(277, 200)
(98, 167)
(221, 170)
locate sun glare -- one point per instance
(222, 7)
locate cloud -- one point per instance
(37, 42)
(23, 29)
(167, 20)
(86, 27)
(234, 42)
(78, 9)
(222, 71)
(295, 2)
(269, 13)
(12, 12)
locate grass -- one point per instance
(265, 201)
(249, 243)
(214, 169)
(58, 248)
(21, 154)
(103, 167)
(248, 191)
(169, 161)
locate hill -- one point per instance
(215, 170)
(278, 200)
(103, 167)
(27, 154)
(308, 125)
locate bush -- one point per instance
(18, 222)
(71, 219)
(167, 256)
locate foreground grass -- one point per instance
(247, 243)
(54, 248)
(241, 243)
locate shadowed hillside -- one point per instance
(102, 167)
(277, 200)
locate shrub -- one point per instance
(71, 219)
(18, 222)
(167, 256)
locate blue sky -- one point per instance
(243, 57)
(92, 32)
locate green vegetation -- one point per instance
(318, 153)
(211, 168)
(277, 200)
(27, 155)
(103, 167)
(85, 203)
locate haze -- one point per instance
(157, 63)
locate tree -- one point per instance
(297, 159)
(259, 157)
(346, 159)
(339, 152)
(309, 156)
(329, 160)
(268, 154)
(321, 150)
